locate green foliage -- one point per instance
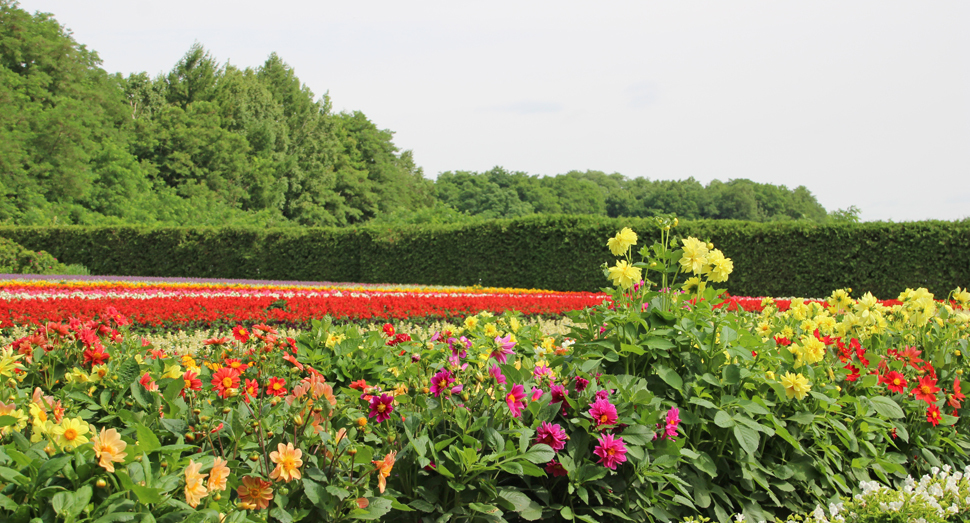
(15, 259)
(555, 252)
(500, 193)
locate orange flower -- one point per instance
(255, 493)
(194, 488)
(287, 461)
(384, 470)
(218, 475)
(109, 449)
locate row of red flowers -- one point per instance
(196, 310)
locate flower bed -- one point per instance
(662, 403)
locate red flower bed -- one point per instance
(184, 310)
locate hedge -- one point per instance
(550, 252)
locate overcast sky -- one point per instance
(865, 103)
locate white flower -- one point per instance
(739, 518)
(818, 513)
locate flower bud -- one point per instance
(253, 457)
(101, 483)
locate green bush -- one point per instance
(556, 252)
(15, 259)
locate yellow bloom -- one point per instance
(8, 362)
(624, 275)
(194, 487)
(12, 410)
(471, 322)
(514, 324)
(287, 461)
(491, 330)
(218, 475)
(109, 449)
(962, 297)
(99, 372)
(623, 240)
(694, 284)
(70, 433)
(172, 371)
(720, 266)
(796, 385)
(695, 256)
(190, 364)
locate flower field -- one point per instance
(667, 400)
(194, 304)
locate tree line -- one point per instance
(214, 144)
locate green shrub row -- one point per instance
(551, 252)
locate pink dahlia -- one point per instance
(441, 381)
(611, 451)
(381, 407)
(514, 399)
(603, 412)
(552, 435)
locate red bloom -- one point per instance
(289, 357)
(240, 333)
(358, 385)
(933, 415)
(911, 356)
(556, 469)
(926, 389)
(147, 382)
(853, 372)
(895, 381)
(192, 381)
(389, 330)
(954, 399)
(783, 341)
(251, 390)
(236, 364)
(276, 387)
(224, 379)
(217, 341)
(96, 356)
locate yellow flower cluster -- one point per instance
(622, 242)
(796, 386)
(702, 259)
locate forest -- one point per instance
(212, 144)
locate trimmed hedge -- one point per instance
(549, 252)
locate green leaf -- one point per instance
(50, 468)
(723, 419)
(540, 453)
(731, 374)
(887, 407)
(670, 376)
(6, 421)
(314, 491)
(338, 492)
(61, 502)
(422, 505)
(142, 396)
(803, 418)
(747, 438)
(484, 508)
(173, 389)
(147, 440)
(376, 508)
(8, 504)
(705, 464)
(868, 381)
(146, 494)
(566, 513)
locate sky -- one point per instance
(865, 103)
